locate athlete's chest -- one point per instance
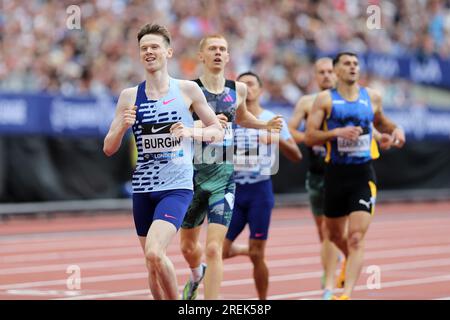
(348, 113)
(158, 111)
(222, 102)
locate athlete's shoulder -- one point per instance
(187, 85)
(130, 91)
(180, 81)
(324, 97)
(305, 102)
(241, 89)
(308, 97)
(370, 90)
(240, 86)
(373, 94)
(128, 95)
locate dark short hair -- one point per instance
(249, 73)
(152, 28)
(340, 54)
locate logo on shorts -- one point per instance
(169, 216)
(259, 235)
(230, 199)
(366, 203)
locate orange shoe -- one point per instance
(340, 283)
(342, 297)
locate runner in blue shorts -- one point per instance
(159, 111)
(255, 156)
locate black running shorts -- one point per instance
(349, 188)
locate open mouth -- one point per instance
(217, 60)
(150, 59)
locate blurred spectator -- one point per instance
(277, 39)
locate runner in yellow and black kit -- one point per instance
(348, 114)
(325, 79)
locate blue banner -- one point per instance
(431, 70)
(44, 114)
(55, 115)
(419, 123)
(422, 123)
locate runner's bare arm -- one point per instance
(212, 129)
(382, 123)
(298, 116)
(290, 150)
(384, 140)
(124, 118)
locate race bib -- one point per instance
(359, 146)
(246, 150)
(246, 160)
(159, 144)
(227, 137)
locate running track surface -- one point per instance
(408, 243)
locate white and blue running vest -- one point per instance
(163, 161)
(253, 162)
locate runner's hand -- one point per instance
(350, 132)
(180, 131)
(128, 117)
(386, 141)
(399, 137)
(223, 120)
(276, 123)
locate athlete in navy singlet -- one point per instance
(158, 111)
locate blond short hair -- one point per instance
(202, 43)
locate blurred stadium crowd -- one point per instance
(276, 38)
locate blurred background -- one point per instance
(59, 82)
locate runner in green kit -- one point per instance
(213, 178)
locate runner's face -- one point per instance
(325, 77)
(253, 87)
(347, 69)
(154, 51)
(214, 54)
